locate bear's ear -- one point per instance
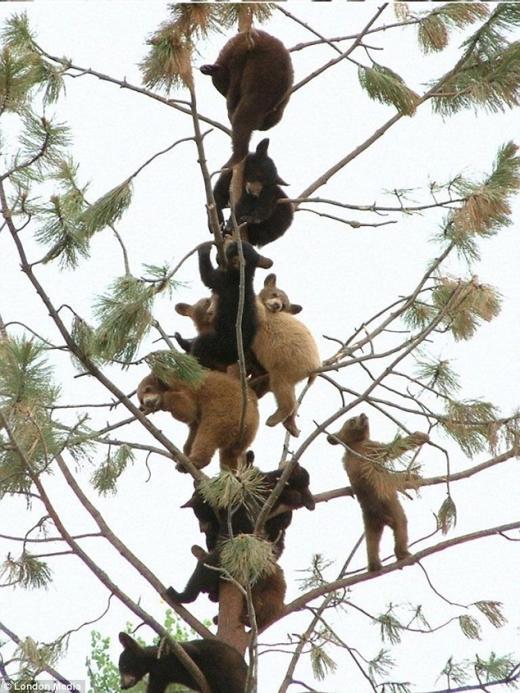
(209, 69)
(128, 642)
(184, 309)
(262, 147)
(264, 262)
(295, 308)
(250, 458)
(280, 181)
(199, 552)
(270, 281)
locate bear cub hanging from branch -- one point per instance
(376, 487)
(254, 72)
(217, 347)
(223, 667)
(258, 205)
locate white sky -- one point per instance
(340, 275)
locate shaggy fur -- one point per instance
(212, 411)
(254, 72)
(268, 592)
(375, 488)
(285, 348)
(223, 667)
(217, 347)
(258, 203)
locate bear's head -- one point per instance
(276, 300)
(150, 393)
(354, 430)
(297, 492)
(133, 662)
(202, 313)
(260, 170)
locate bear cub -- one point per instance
(254, 72)
(223, 667)
(258, 205)
(217, 347)
(374, 487)
(212, 409)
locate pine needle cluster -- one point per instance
(173, 365)
(229, 489)
(477, 303)
(471, 423)
(168, 64)
(489, 77)
(27, 392)
(107, 209)
(247, 558)
(105, 478)
(434, 28)
(321, 662)
(447, 515)
(386, 86)
(27, 572)
(438, 375)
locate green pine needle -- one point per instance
(105, 478)
(434, 27)
(447, 515)
(471, 423)
(384, 85)
(16, 32)
(168, 63)
(457, 672)
(231, 13)
(173, 365)
(62, 229)
(107, 210)
(476, 303)
(27, 572)
(496, 668)
(26, 380)
(124, 317)
(390, 628)
(321, 662)
(381, 664)
(493, 612)
(247, 558)
(231, 489)
(438, 375)
(470, 627)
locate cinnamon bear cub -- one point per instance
(258, 204)
(295, 494)
(212, 409)
(255, 74)
(268, 592)
(374, 487)
(285, 348)
(217, 347)
(223, 667)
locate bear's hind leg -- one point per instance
(285, 399)
(373, 532)
(399, 525)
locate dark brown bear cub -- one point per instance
(258, 205)
(223, 667)
(374, 487)
(254, 72)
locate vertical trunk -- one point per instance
(230, 629)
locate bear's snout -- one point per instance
(274, 305)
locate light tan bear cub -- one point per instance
(374, 487)
(285, 348)
(212, 409)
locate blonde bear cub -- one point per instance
(285, 348)
(375, 488)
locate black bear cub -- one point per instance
(217, 347)
(295, 494)
(254, 72)
(258, 206)
(223, 667)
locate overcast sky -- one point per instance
(340, 275)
